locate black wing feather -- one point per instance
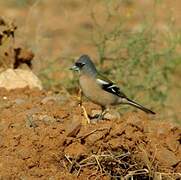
(112, 88)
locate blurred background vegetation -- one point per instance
(137, 44)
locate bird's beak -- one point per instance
(74, 68)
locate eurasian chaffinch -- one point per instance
(99, 89)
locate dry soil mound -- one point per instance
(41, 137)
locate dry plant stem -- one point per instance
(68, 159)
(71, 163)
(97, 160)
(137, 172)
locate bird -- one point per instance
(99, 89)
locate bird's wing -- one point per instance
(109, 86)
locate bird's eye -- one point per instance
(80, 65)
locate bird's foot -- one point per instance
(97, 117)
(100, 117)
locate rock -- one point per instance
(19, 101)
(55, 98)
(18, 78)
(75, 150)
(47, 119)
(48, 98)
(109, 115)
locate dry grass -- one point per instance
(114, 166)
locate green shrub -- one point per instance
(143, 60)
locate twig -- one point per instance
(71, 163)
(97, 160)
(136, 172)
(68, 159)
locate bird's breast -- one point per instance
(95, 93)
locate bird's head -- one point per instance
(84, 65)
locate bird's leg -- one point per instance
(104, 111)
(83, 108)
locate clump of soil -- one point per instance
(41, 136)
(12, 54)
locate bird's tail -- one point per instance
(135, 104)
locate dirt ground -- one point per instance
(43, 133)
(42, 137)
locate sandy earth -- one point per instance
(42, 137)
(42, 134)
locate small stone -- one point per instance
(49, 98)
(19, 101)
(47, 119)
(19, 78)
(111, 116)
(75, 150)
(59, 98)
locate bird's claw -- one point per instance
(97, 117)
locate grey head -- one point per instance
(85, 65)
